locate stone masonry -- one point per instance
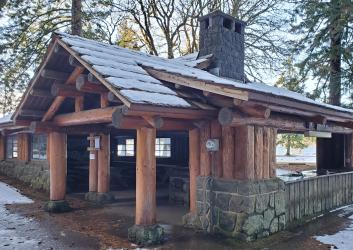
(245, 210)
(34, 173)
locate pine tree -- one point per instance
(324, 48)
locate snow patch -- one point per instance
(10, 195)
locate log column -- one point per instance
(145, 217)
(104, 164)
(93, 168)
(58, 168)
(146, 177)
(2, 147)
(194, 165)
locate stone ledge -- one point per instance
(57, 206)
(146, 235)
(99, 198)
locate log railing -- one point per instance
(309, 197)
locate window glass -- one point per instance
(126, 147)
(11, 147)
(39, 147)
(163, 147)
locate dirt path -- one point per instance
(93, 227)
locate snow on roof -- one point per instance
(5, 119)
(121, 68)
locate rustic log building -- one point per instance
(93, 111)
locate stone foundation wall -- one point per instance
(245, 210)
(34, 173)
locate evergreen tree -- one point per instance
(324, 48)
(26, 32)
(291, 80)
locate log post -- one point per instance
(58, 167)
(194, 165)
(57, 152)
(205, 157)
(146, 177)
(104, 164)
(146, 231)
(93, 168)
(2, 147)
(258, 152)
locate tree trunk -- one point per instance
(76, 20)
(336, 31)
(288, 146)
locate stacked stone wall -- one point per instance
(245, 210)
(34, 173)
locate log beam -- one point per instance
(32, 113)
(60, 99)
(53, 74)
(92, 116)
(64, 90)
(156, 122)
(83, 85)
(146, 177)
(40, 93)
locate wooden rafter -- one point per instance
(94, 73)
(54, 107)
(196, 83)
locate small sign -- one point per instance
(92, 156)
(97, 142)
(212, 145)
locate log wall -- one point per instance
(246, 152)
(309, 197)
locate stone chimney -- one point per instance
(223, 36)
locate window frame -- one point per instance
(159, 150)
(125, 150)
(42, 138)
(10, 150)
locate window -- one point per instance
(39, 147)
(11, 147)
(126, 147)
(163, 147)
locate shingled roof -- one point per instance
(123, 69)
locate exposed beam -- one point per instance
(58, 50)
(82, 84)
(197, 84)
(73, 62)
(255, 110)
(155, 121)
(91, 78)
(42, 127)
(64, 90)
(40, 93)
(53, 74)
(94, 73)
(112, 98)
(22, 122)
(60, 99)
(177, 113)
(32, 113)
(92, 116)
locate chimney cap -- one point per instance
(221, 13)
